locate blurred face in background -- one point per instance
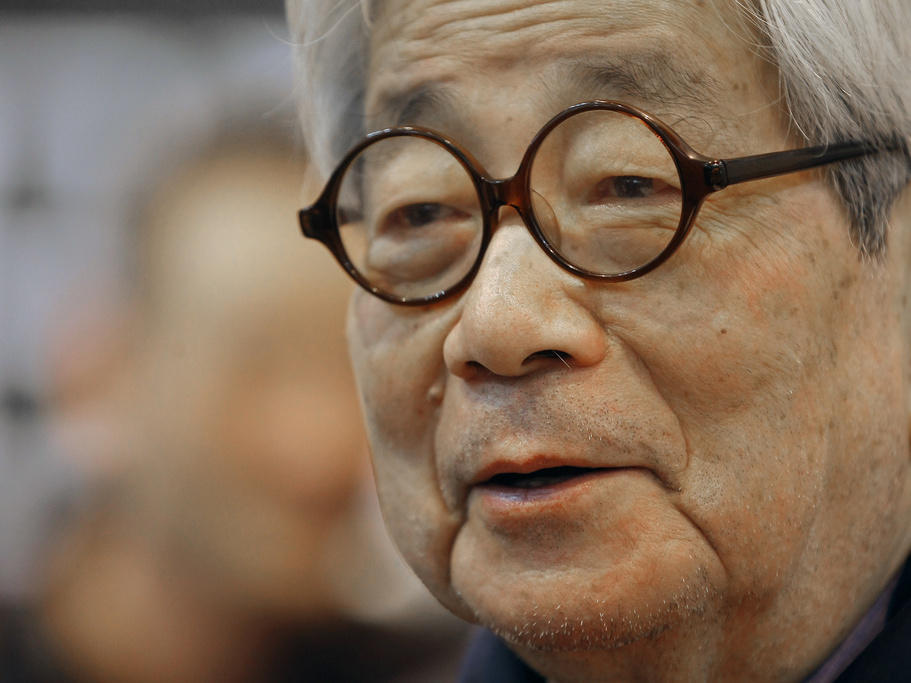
(250, 446)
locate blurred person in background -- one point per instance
(233, 536)
(195, 546)
(96, 99)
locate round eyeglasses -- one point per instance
(605, 189)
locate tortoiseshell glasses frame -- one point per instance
(699, 176)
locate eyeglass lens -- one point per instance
(409, 217)
(604, 190)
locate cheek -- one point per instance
(758, 326)
(398, 362)
(754, 370)
(397, 358)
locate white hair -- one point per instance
(843, 70)
(331, 39)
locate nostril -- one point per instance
(474, 370)
(549, 354)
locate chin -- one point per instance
(590, 608)
(589, 623)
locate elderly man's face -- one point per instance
(737, 419)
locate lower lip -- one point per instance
(510, 501)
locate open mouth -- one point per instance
(549, 476)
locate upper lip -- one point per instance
(476, 441)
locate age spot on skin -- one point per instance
(720, 323)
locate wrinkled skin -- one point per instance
(751, 395)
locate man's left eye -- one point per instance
(627, 187)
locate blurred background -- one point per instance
(185, 492)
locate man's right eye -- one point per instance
(421, 215)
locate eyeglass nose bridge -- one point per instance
(515, 192)
(500, 192)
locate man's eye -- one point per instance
(627, 187)
(421, 215)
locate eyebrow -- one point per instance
(422, 103)
(648, 77)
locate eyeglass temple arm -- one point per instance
(723, 172)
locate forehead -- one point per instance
(434, 60)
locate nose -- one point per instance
(522, 314)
